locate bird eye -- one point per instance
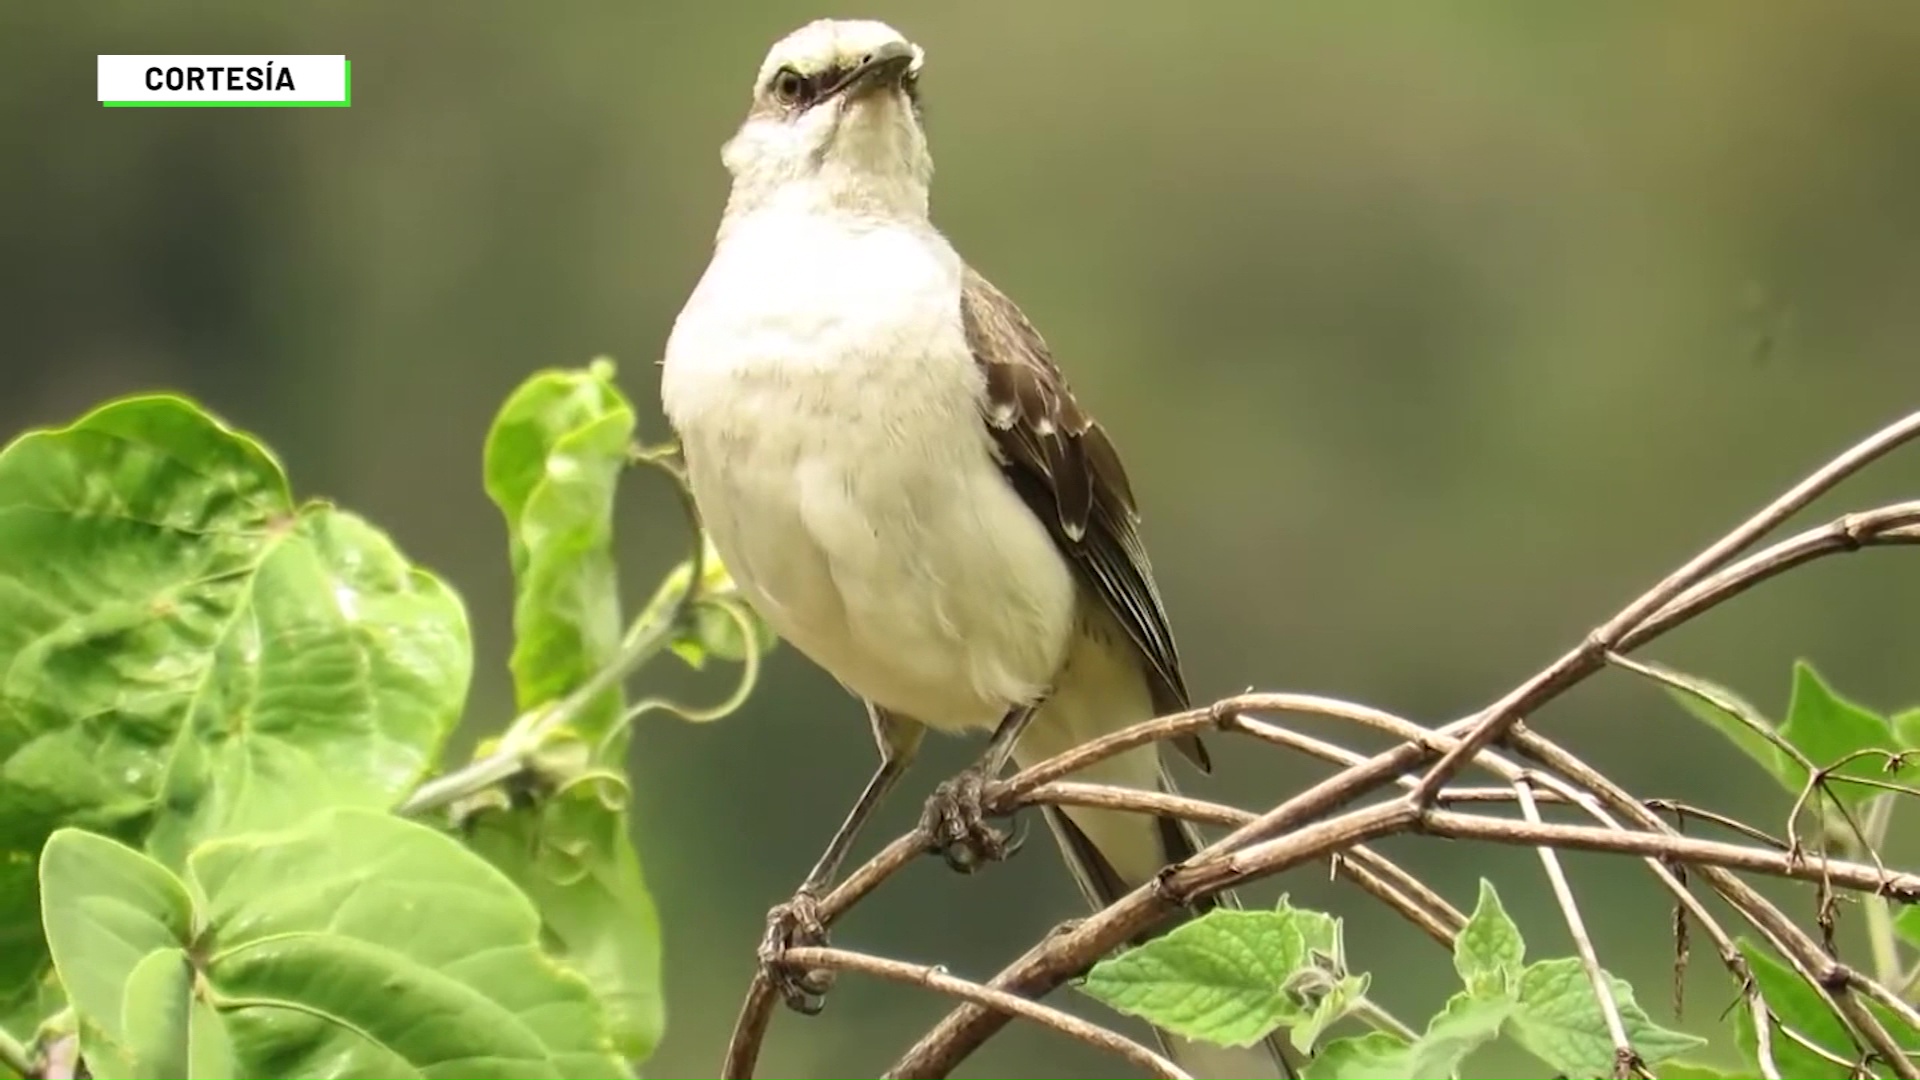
(789, 86)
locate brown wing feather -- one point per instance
(1067, 470)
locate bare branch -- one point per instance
(809, 958)
(1627, 1061)
(1497, 719)
(1321, 821)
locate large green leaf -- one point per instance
(1488, 951)
(1800, 1007)
(553, 460)
(1222, 977)
(1733, 716)
(182, 642)
(23, 953)
(1465, 1025)
(392, 931)
(356, 944)
(1827, 728)
(1559, 1021)
(107, 906)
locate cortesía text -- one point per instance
(220, 78)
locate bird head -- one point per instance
(835, 119)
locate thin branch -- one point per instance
(1885, 526)
(1627, 1060)
(1762, 1033)
(649, 635)
(1497, 719)
(1425, 919)
(807, 958)
(14, 1056)
(1298, 828)
(1802, 952)
(1691, 850)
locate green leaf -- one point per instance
(553, 459)
(1826, 728)
(1465, 1025)
(1321, 987)
(1680, 1070)
(109, 910)
(23, 947)
(1559, 1021)
(369, 923)
(1221, 978)
(168, 1029)
(571, 854)
(1489, 950)
(1800, 1007)
(183, 643)
(1319, 934)
(726, 627)
(1907, 924)
(1744, 725)
(1330, 1006)
(1906, 729)
(35, 1003)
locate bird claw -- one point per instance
(955, 821)
(795, 923)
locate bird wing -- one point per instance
(1068, 473)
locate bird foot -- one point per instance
(955, 821)
(795, 923)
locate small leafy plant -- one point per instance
(1234, 977)
(224, 848)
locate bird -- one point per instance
(889, 461)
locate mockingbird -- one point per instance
(900, 481)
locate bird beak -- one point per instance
(884, 66)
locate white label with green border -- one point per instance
(238, 81)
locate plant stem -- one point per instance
(1879, 913)
(14, 1056)
(1364, 1009)
(523, 739)
(648, 636)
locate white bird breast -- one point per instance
(829, 407)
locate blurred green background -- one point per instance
(1432, 333)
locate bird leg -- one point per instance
(955, 816)
(797, 921)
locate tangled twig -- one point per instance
(1324, 822)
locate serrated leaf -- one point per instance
(1826, 728)
(1465, 1025)
(1734, 717)
(183, 642)
(553, 460)
(1219, 978)
(393, 932)
(1329, 1008)
(1489, 951)
(1319, 933)
(1558, 1020)
(1799, 1006)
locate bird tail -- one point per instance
(1097, 867)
